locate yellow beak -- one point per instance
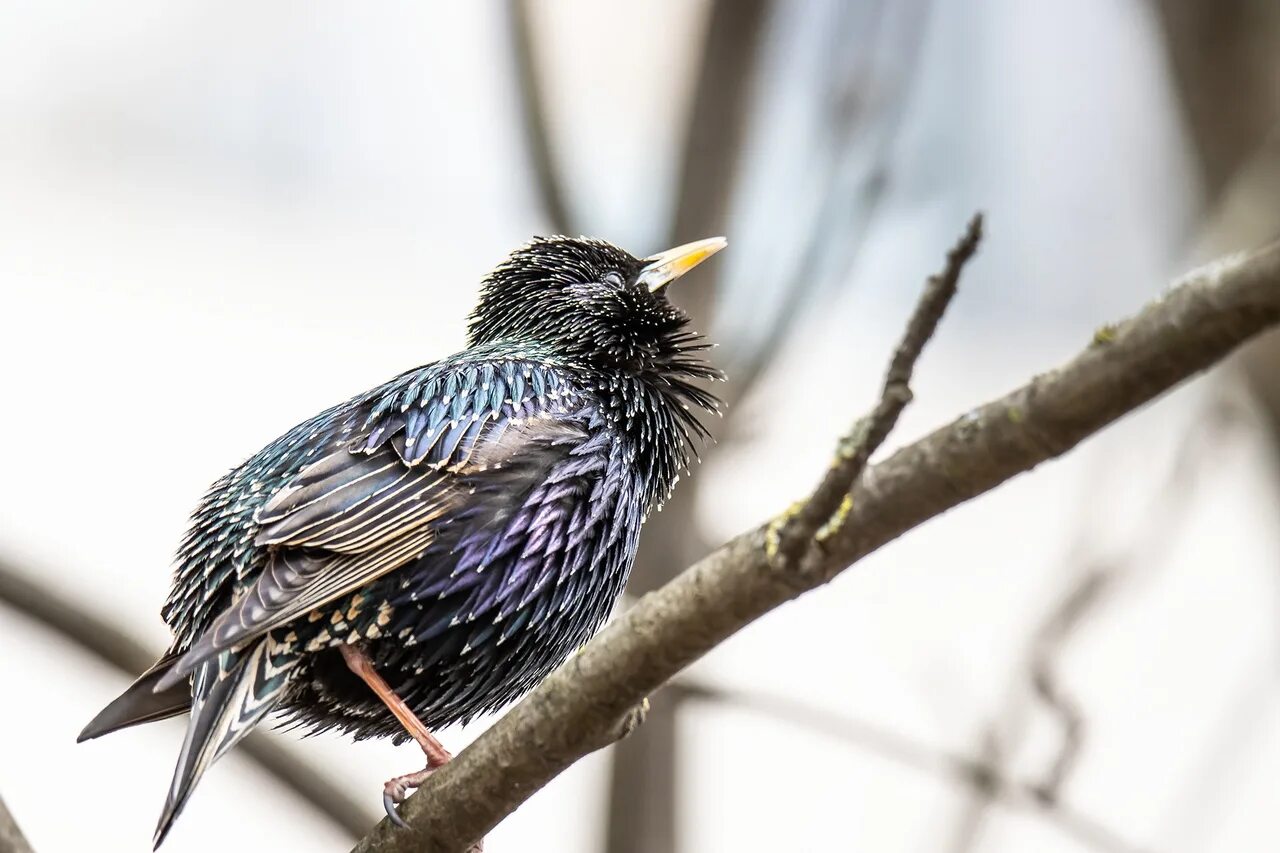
(665, 267)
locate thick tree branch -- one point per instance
(584, 705)
(11, 838)
(93, 634)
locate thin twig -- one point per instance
(98, 637)
(583, 705)
(820, 516)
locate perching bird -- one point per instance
(432, 548)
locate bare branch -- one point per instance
(823, 514)
(95, 635)
(11, 838)
(585, 704)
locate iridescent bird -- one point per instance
(432, 548)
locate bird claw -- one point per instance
(396, 790)
(389, 803)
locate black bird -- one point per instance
(432, 548)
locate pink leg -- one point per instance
(395, 791)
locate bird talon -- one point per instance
(393, 814)
(396, 790)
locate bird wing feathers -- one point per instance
(367, 507)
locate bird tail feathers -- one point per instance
(231, 695)
(141, 703)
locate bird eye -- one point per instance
(612, 279)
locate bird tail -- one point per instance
(141, 703)
(231, 694)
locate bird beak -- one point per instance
(665, 267)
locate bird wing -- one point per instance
(368, 506)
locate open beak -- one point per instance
(665, 267)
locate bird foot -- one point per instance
(397, 789)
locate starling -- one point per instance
(432, 548)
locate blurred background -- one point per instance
(217, 218)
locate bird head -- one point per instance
(595, 304)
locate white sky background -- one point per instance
(217, 218)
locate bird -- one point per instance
(431, 549)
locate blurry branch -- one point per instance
(533, 119)
(643, 810)
(902, 750)
(1224, 62)
(866, 107)
(984, 792)
(1089, 591)
(1247, 214)
(1082, 828)
(808, 717)
(1094, 586)
(11, 838)
(1046, 681)
(1226, 68)
(716, 130)
(589, 701)
(92, 634)
(718, 117)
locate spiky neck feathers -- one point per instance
(581, 300)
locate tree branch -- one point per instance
(584, 705)
(824, 513)
(11, 838)
(93, 634)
